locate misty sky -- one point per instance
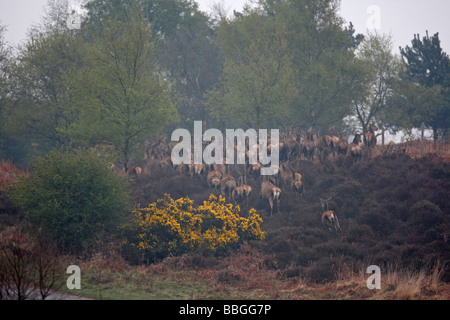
(401, 18)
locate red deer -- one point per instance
(329, 218)
(285, 149)
(227, 184)
(238, 194)
(287, 176)
(272, 193)
(340, 145)
(220, 167)
(354, 150)
(254, 169)
(199, 170)
(335, 140)
(248, 191)
(184, 169)
(134, 171)
(301, 137)
(370, 140)
(297, 185)
(324, 146)
(213, 179)
(288, 146)
(241, 192)
(308, 146)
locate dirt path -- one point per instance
(55, 295)
(65, 296)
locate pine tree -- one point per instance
(428, 70)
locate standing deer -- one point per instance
(308, 146)
(324, 145)
(329, 218)
(340, 146)
(286, 174)
(354, 150)
(370, 140)
(297, 185)
(184, 169)
(283, 150)
(241, 192)
(227, 184)
(335, 140)
(272, 193)
(199, 170)
(254, 169)
(213, 179)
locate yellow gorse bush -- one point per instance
(171, 226)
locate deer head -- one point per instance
(373, 127)
(324, 203)
(357, 139)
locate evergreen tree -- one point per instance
(427, 71)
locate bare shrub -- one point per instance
(106, 254)
(247, 266)
(28, 267)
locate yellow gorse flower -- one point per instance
(171, 226)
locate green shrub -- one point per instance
(70, 197)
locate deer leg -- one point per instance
(271, 206)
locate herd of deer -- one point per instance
(231, 180)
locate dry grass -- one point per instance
(396, 284)
(440, 148)
(413, 149)
(241, 275)
(245, 274)
(404, 285)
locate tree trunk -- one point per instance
(126, 155)
(422, 133)
(435, 135)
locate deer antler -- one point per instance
(321, 200)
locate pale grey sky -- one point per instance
(401, 18)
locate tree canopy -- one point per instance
(287, 63)
(424, 93)
(139, 68)
(118, 95)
